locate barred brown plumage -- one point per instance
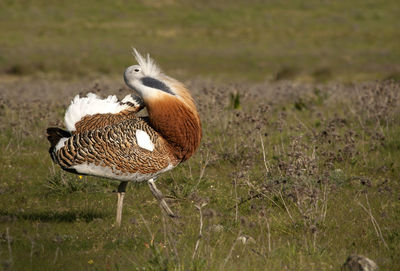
(105, 137)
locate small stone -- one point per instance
(245, 239)
(359, 263)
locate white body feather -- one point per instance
(91, 105)
(107, 172)
(144, 141)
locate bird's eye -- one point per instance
(137, 70)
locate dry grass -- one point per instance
(289, 175)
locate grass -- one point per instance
(290, 176)
(239, 41)
(298, 166)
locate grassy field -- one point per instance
(289, 176)
(298, 166)
(237, 41)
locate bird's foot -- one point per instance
(159, 196)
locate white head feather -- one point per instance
(148, 65)
(147, 69)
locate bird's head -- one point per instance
(172, 111)
(147, 79)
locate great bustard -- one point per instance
(105, 138)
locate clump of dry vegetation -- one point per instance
(289, 175)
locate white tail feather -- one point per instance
(61, 143)
(90, 105)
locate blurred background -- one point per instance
(238, 40)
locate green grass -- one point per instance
(239, 41)
(330, 168)
(305, 169)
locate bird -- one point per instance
(107, 138)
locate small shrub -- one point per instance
(235, 100)
(322, 74)
(60, 182)
(286, 73)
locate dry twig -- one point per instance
(373, 221)
(199, 207)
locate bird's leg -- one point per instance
(121, 194)
(159, 196)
